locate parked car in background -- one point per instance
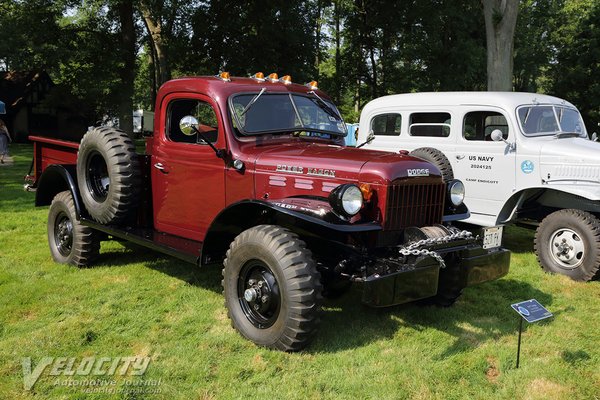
(351, 137)
(524, 158)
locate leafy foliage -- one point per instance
(356, 49)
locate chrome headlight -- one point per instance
(456, 192)
(346, 199)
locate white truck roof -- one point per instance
(506, 100)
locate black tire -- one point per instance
(575, 234)
(108, 175)
(437, 158)
(69, 241)
(289, 316)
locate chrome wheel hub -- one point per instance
(567, 248)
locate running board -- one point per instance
(184, 249)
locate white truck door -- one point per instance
(487, 168)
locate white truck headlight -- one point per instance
(346, 199)
(456, 192)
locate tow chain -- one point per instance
(413, 248)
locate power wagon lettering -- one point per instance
(292, 169)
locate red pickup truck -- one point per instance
(250, 174)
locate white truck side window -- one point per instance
(386, 124)
(478, 125)
(433, 124)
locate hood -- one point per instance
(570, 159)
(344, 163)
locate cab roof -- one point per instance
(218, 88)
(507, 100)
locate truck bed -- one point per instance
(48, 151)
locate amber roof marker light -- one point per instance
(224, 76)
(286, 79)
(259, 76)
(313, 85)
(273, 77)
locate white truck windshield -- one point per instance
(257, 113)
(538, 120)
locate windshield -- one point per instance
(311, 115)
(549, 120)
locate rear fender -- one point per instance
(55, 179)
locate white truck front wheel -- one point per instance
(568, 242)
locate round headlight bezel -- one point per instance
(347, 200)
(456, 192)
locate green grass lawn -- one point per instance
(138, 303)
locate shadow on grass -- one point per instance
(208, 277)
(483, 314)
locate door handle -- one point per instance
(161, 168)
(460, 156)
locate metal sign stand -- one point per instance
(530, 311)
(519, 345)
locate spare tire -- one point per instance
(108, 175)
(437, 158)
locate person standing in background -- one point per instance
(5, 139)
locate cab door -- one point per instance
(487, 168)
(188, 179)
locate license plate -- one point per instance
(492, 237)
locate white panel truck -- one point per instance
(524, 158)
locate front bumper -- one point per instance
(466, 265)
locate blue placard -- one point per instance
(531, 310)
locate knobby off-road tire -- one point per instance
(272, 288)
(108, 175)
(575, 235)
(69, 241)
(437, 158)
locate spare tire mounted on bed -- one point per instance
(108, 174)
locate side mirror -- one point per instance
(370, 138)
(594, 137)
(496, 135)
(187, 125)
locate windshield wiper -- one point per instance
(562, 134)
(245, 110)
(325, 107)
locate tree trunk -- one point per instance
(337, 11)
(370, 44)
(127, 71)
(153, 73)
(500, 22)
(154, 27)
(318, 40)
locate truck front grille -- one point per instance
(414, 202)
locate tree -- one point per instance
(575, 73)
(500, 22)
(534, 43)
(127, 65)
